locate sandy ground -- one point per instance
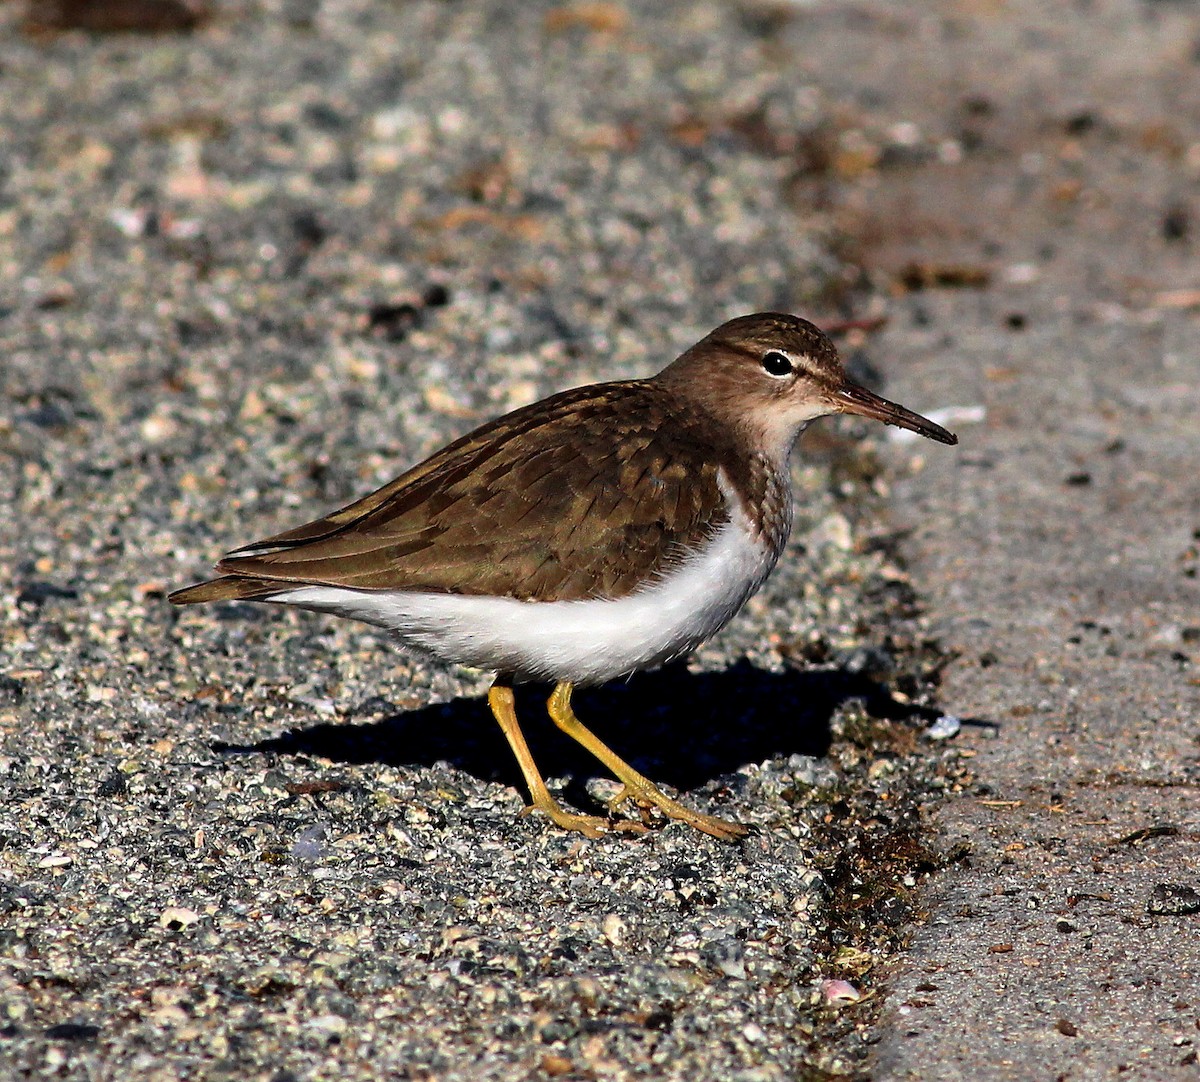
(1057, 551)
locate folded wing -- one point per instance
(571, 498)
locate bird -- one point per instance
(604, 530)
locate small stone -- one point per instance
(727, 956)
(253, 406)
(520, 393)
(177, 916)
(328, 1025)
(1173, 900)
(810, 771)
(835, 531)
(130, 221)
(157, 428)
(945, 728)
(55, 860)
(837, 993)
(614, 929)
(309, 844)
(602, 789)
(441, 401)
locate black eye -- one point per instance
(777, 364)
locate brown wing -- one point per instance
(577, 496)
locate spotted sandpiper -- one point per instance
(600, 531)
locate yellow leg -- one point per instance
(637, 787)
(500, 699)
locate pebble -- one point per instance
(177, 916)
(946, 727)
(309, 844)
(614, 928)
(839, 992)
(728, 956)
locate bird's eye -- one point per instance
(777, 363)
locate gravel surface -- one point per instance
(251, 270)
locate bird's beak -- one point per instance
(851, 398)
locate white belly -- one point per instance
(582, 641)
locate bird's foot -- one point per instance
(636, 787)
(591, 826)
(650, 796)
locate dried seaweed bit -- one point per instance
(305, 788)
(118, 16)
(1159, 830)
(393, 321)
(871, 883)
(917, 276)
(73, 1031)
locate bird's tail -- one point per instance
(225, 588)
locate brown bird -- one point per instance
(600, 531)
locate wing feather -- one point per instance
(578, 496)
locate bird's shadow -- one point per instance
(676, 726)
